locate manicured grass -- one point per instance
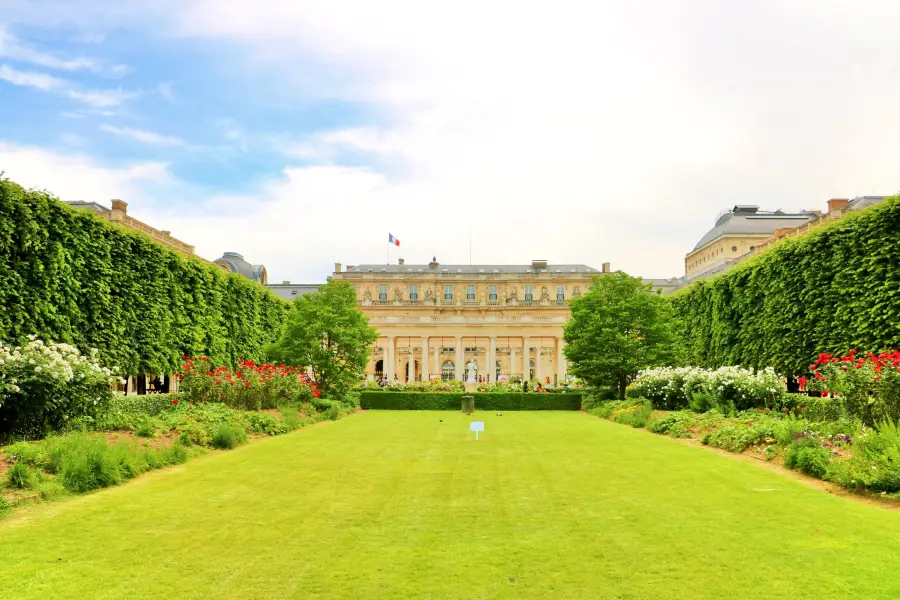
(399, 505)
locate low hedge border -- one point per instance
(382, 400)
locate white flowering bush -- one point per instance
(729, 388)
(42, 386)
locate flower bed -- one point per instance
(44, 385)
(866, 385)
(727, 388)
(250, 386)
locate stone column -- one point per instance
(390, 361)
(538, 371)
(492, 359)
(560, 362)
(460, 356)
(411, 366)
(525, 367)
(512, 362)
(426, 356)
(437, 360)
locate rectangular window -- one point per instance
(560, 292)
(448, 350)
(382, 291)
(413, 292)
(470, 292)
(492, 295)
(529, 295)
(448, 292)
(471, 349)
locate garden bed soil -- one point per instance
(162, 440)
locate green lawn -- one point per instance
(399, 505)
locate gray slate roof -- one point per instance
(292, 291)
(750, 220)
(470, 269)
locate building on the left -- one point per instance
(118, 214)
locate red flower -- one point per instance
(825, 393)
(175, 402)
(246, 384)
(852, 352)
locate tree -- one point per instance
(326, 332)
(617, 328)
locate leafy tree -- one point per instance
(617, 328)
(326, 332)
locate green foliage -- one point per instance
(145, 428)
(740, 436)
(42, 386)
(617, 328)
(86, 462)
(227, 437)
(681, 423)
(637, 416)
(70, 276)
(326, 332)
(807, 455)
(22, 476)
(827, 291)
(453, 401)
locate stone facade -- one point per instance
(452, 321)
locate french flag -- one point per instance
(393, 240)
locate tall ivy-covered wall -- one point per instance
(834, 289)
(69, 276)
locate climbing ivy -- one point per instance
(69, 276)
(834, 289)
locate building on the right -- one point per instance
(746, 230)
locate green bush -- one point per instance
(227, 437)
(68, 275)
(740, 436)
(828, 291)
(808, 456)
(637, 417)
(145, 428)
(22, 476)
(453, 400)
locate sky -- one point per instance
(301, 134)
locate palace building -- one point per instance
(453, 321)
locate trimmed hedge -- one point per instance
(831, 290)
(453, 400)
(67, 275)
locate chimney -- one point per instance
(399, 261)
(119, 210)
(337, 267)
(604, 268)
(434, 263)
(837, 204)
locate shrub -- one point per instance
(739, 437)
(42, 386)
(22, 476)
(145, 428)
(808, 456)
(636, 416)
(227, 437)
(729, 389)
(868, 385)
(250, 386)
(483, 401)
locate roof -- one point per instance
(470, 269)
(749, 220)
(861, 202)
(291, 291)
(237, 264)
(87, 205)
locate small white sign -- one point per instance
(476, 426)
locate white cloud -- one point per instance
(12, 48)
(143, 136)
(73, 176)
(101, 99)
(41, 81)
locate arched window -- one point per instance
(448, 371)
(379, 368)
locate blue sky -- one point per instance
(301, 134)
